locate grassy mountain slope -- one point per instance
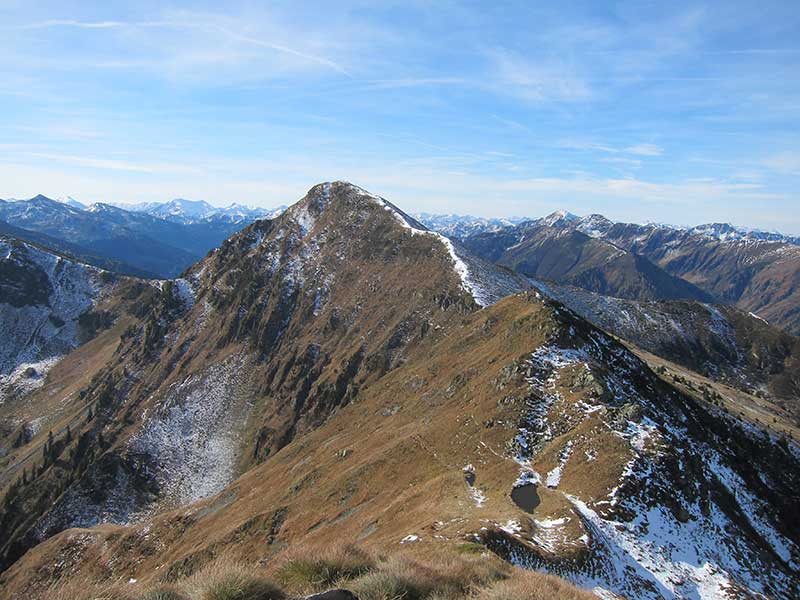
(261, 342)
(520, 427)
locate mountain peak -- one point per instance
(70, 201)
(559, 217)
(594, 225)
(331, 193)
(102, 207)
(188, 208)
(347, 203)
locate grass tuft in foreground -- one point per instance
(228, 580)
(163, 592)
(459, 576)
(313, 570)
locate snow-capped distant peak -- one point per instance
(559, 217)
(186, 211)
(106, 209)
(594, 225)
(70, 201)
(462, 226)
(725, 232)
(180, 207)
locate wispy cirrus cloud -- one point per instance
(536, 80)
(785, 162)
(511, 123)
(116, 165)
(587, 145)
(211, 31)
(632, 163)
(412, 82)
(644, 150)
(72, 23)
(640, 149)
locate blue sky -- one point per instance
(662, 111)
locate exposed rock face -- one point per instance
(45, 304)
(717, 341)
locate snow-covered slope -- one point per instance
(43, 296)
(594, 225)
(559, 218)
(720, 342)
(182, 208)
(70, 201)
(688, 516)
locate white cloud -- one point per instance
(641, 150)
(114, 165)
(73, 23)
(585, 145)
(411, 82)
(536, 80)
(787, 163)
(644, 150)
(625, 162)
(197, 40)
(511, 123)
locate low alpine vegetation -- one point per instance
(309, 571)
(313, 570)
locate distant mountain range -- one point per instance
(754, 270)
(152, 240)
(461, 226)
(594, 225)
(184, 211)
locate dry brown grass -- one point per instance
(163, 592)
(312, 569)
(225, 579)
(453, 576)
(77, 590)
(410, 579)
(378, 469)
(529, 585)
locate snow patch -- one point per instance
(554, 476)
(192, 437)
(410, 539)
